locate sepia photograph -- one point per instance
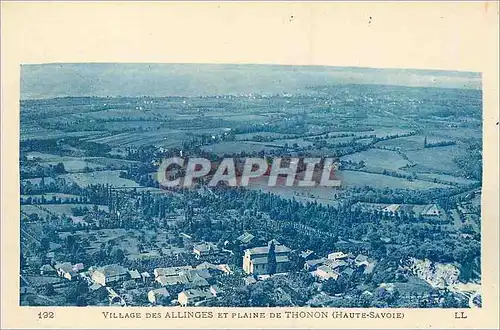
(249, 165)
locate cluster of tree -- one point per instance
(439, 144)
(38, 171)
(55, 146)
(471, 162)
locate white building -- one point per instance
(255, 260)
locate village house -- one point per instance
(205, 249)
(134, 275)
(391, 209)
(47, 270)
(157, 295)
(193, 297)
(110, 274)
(186, 275)
(245, 239)
(169, 271)
(362, 260)
(324, 273)
(307, 255)
(431, 211)
(255, 259)
(172, 280)
(66, 270)
(311, 265)
(336, 264)
(338, 256)
(221, 268)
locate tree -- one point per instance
(59, 168)
(81, 301)
(271, 260)
(49, 289)
(118, 256)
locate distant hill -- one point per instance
(42, 81)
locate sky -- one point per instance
(44, 81)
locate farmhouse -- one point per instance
(245, 238)
(172, 280)
(431, 211)
(182, 275)
(193, 296)
(311, 265)
(205, 249)
(156, 295)
(324, 273)
(391, 209)
(337, 255)
(134, 274)
(47, 270)
(170, 271)
(336, 264)
(307, 254)
(109, 274)
(66, 270)
(255, 260)
(222, 268)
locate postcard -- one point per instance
(250, 165)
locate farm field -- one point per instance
(446, 178)
(30, 209)
(48, 196)
(249, 136)
(66, 208)
(377, 158)
(129, 242)
(99, 177)
(71, 164)
(438, 159)
(44, 210)
(414, 142)
(236, 147)
(361, 179)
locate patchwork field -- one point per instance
(361, 179)
(99, 177)
(45, 210)
(236, 147)
(71, 164)
(130, 241)
(437, 159)
(414, 142)
(377, 158)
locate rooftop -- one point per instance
(172, 280)
(196, 293)
(262, 261)
(170, 271)
(134, 274)
(245, 238)
(112, 270)
(307, 253)
(161, 291)
(46, 268)
(265, 249)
